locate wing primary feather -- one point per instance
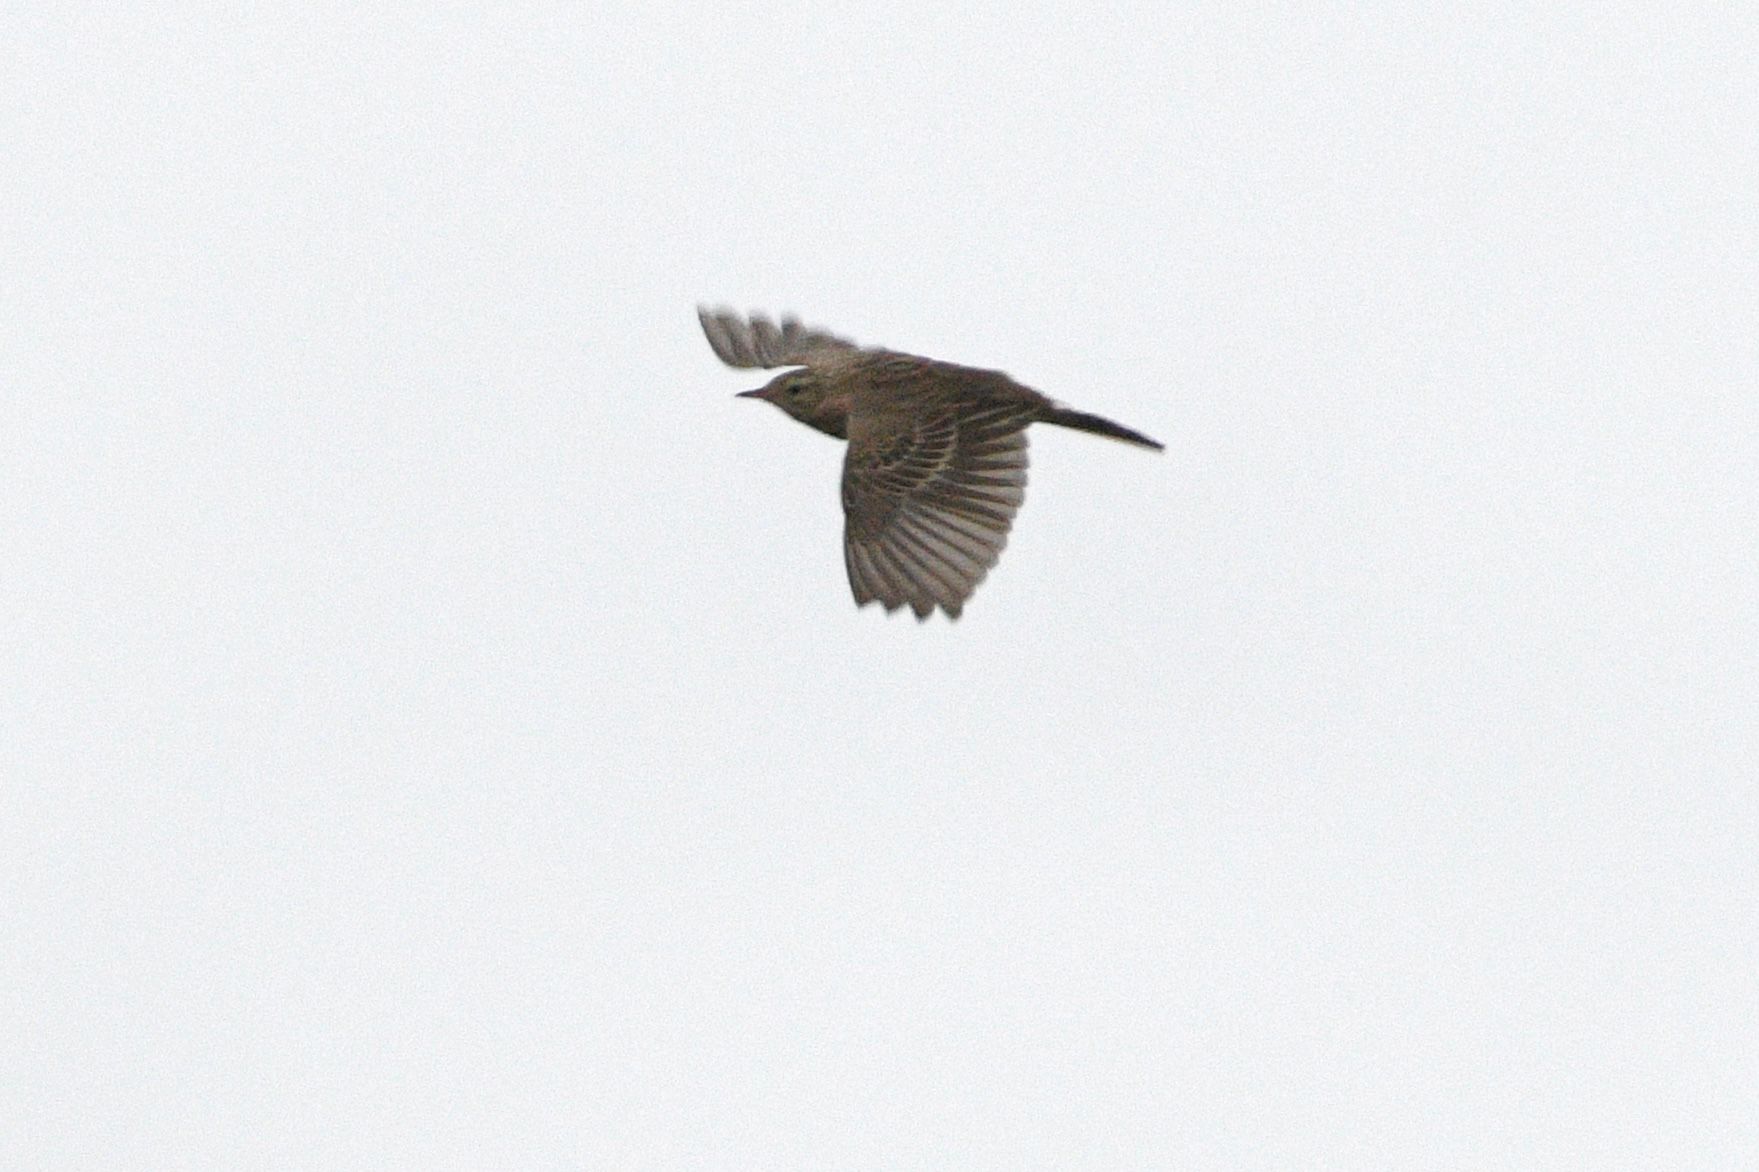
(931, 570)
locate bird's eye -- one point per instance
(795, 390)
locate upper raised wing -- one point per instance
(759, 342)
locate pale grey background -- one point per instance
(436, 731)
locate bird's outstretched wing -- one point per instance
(928, 501)
(757, 341)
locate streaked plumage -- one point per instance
(936, 465)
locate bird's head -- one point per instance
(802, 393)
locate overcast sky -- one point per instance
(435, 730)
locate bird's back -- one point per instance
(887, 381)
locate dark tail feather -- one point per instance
(1082, 421)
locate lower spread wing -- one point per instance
(928, 502)
(758, 341)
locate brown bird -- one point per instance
(936, 466)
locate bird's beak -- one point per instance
(757, 394)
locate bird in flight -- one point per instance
(936, 464)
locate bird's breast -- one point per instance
(832, 416)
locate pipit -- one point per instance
(936, 466)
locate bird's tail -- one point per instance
(1082, 421)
